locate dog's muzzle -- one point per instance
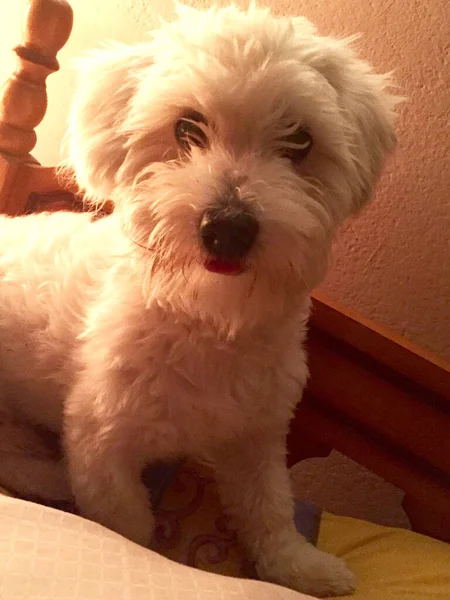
(227, 234)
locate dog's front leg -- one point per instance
(105, 466)
(255, 490)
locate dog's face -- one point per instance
(233, 144)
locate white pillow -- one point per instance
(47, 554)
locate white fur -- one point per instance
(113, 332)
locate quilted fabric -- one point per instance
(46, 554)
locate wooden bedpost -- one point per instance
(23, 103)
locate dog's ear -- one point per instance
(96, 142)
(365, 100)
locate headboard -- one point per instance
(372, 395)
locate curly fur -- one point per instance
(112, 330)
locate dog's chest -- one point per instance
(195, 391)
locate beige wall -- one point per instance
(393, 263)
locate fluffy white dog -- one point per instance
(232, 144)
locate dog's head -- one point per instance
(233, 144)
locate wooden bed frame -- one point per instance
(372, 396)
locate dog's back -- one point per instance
(45, 275)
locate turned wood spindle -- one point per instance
(23, 98)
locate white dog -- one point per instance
(232, 144)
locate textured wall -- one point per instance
(393, 263)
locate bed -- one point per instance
(372, 396)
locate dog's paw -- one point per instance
(308, 570)
(138, 530)
(134, 522)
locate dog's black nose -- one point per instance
(228, 232)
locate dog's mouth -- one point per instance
(223, 266)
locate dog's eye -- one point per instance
(297, 145)
(189, 131)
